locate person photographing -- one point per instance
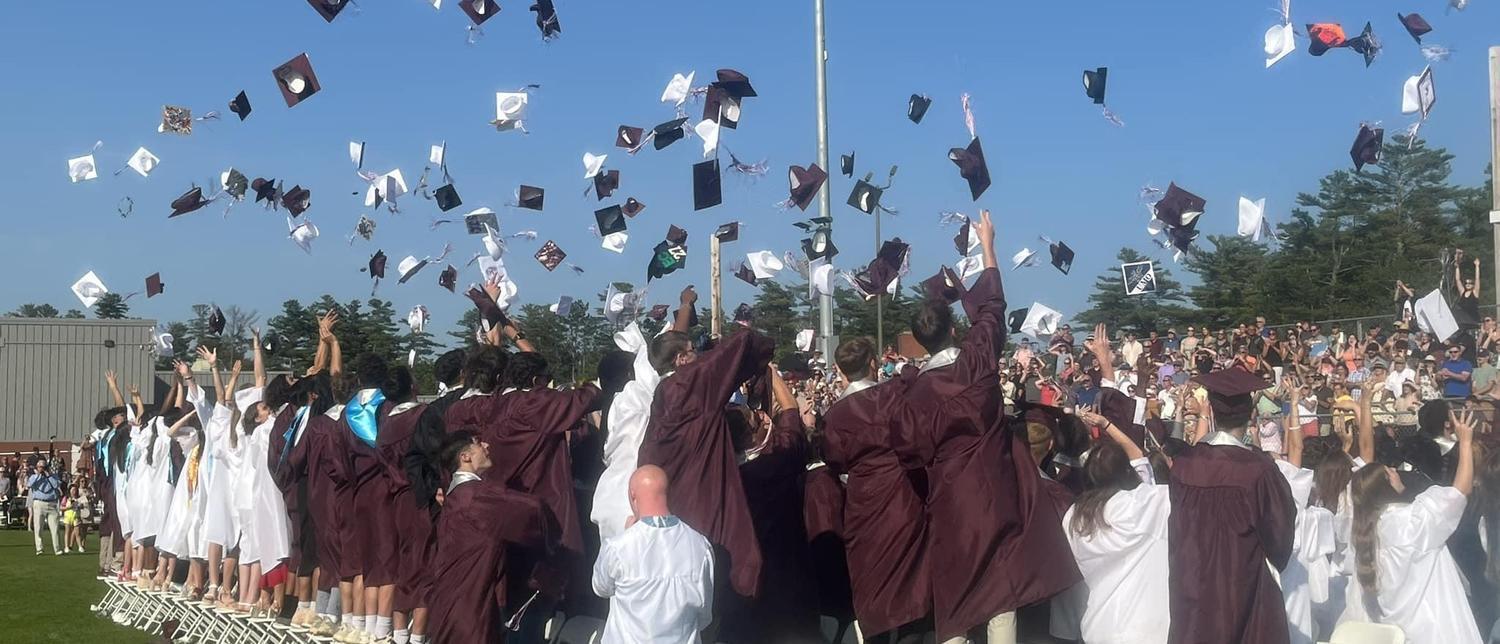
(45, 492)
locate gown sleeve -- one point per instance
(1276, 516)
(1435, 515)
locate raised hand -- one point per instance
(135, 391)
(109, 377)
(688, 297)
(255, 336)
(984, 229)
(211, 356)
(325, 324)
(182, 369)
(1463, 425)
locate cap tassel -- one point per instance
(1436, 53)
(750, 169)
(968, 116)
(125, 207)
(1110, 116)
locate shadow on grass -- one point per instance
(46, 599)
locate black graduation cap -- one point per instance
(846, 164)
(240, 105)
(971, 167)
(329, 9)
(945, 286)
(668, 133)
(532, 197)
(188, 202)
(676, 235)
(265, 190)
(489, 312)
(1179, 207)
(805, 183)
(707, 192)
(1016, 319)
(1062, 257)
(448, 279)
(270, 343)
(1366, 43)
(479, 10)
(1182, 237)
(154, 286)
(885, 268)
(865, 197)
(610, 220)
(550, 255)
(666, 259)
(721, 103)
(728, 232)
(961, 240)
(447, 198)
(734, 83)
(1366, 148)
(605, 183)
(744, 272)
(297, 200)
(474, 223)
(658, 312)
(916, 108)
(628, 136)
(546, 19)
(744, 313)
(296, 80)
(632, 207)
(236, 184)
(1415, 25)
(820, 245)
(377, 264)
(1094, 83)
(216, 321)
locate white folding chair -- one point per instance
(1367, 633)
(553, 627)
(581, 630)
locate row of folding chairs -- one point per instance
(168, 613)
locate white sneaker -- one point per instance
(57, 553)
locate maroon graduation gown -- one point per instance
(994, 539)
(688, 437)
(288, 479)
(330, 499)
(411, 523)
(885, 533)
(475, 527)
(1231, 512)
(823, 517)
(773, 483)
(371, 519)
(475, 413)
(528, 440)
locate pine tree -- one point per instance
(35, 311)
(1231, 287)
(111, 307)
(1139, 313)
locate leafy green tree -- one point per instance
(1231, 287)
(462, 335)
(110, 307)
(572, 344)
(35, 311)
(781, 312)
(73, 314)
(1139, 313)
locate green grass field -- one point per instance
(46, 598)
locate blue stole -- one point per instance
(661, 522)
(291, 432)
(362, 417)
(101, 450)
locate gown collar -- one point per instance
(1226, 439)
(461, 477)
(940, 359)
(856, 387)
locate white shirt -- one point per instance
(659, 581)
(1131, 351)
(1394, 380)
(1419, 587)
(1124, 567)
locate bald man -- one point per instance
(658, 574)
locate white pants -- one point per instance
(44, 510)
(1001, 630)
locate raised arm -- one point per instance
(1102, 353)
(114, 388)
(1293, 429)
(1458, 270)
(781, 394)
(1463, 428)
(517, 336)
(184, 382)
(686, 301)
(1477, 284)
(259, 360)
(327, 346)
(1365, 427)
(186, 416)
(138, 403)
(170, 401)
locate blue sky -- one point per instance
(1186, 76)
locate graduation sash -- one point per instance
(291, 432)
(361, 416)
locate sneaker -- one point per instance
(57, 553)
(39, 552)
(344, 633)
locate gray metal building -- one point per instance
(52, 374)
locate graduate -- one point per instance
(1308, 571)
(422, 464)
(477, 525)
(1232, 513)
(107, 423)
(994, 539)
(221, 529)
(364, 415)
(265, 541)
(823, 501)
(330, 502)
(411, 522)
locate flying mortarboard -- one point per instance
(297, 200)
(972, 167)
(677, 89)
(846, 164)
(1366, 44)
(632, 207)
(448, 279)
(490, 313)
(865, 197)
(727, 232)
(563, 307)
(592, 164)
(1252, 219)
(531, 197)
(763, 265)
(1062, 257)
(510, 111)
(296, 80)
(417, 318)
(479, 10)
(329, 9)
(746, 274)
(409, 267)
(668, 133)
(546, 19)
(1139, 277)
(966, 239)
(175, 120)
(265, 190)
(82, 168)
(1418, 94)
(1415, 25)
(550, 255)
(916, 107)
(707, 191)
(615, 242)
(1014, 320)
(805, 184)
(721, 103)
(606, 183)
(1094, 83)
(302, 234)
(216, 321)
(143, 162)
(628, 137)
(475, 221)
(376, 265)
(666, 258)
(240, 105)
(1024, 257)
(1324, 36)
(659, 312)
(744, 313)
(447, 198)
(88, 289)
(1041, 321)
(234, 183)
(188, 202)
(1281, 41)
(945, 286)
(610, 220)
(365, 228)
(1366, 148)
(1178, 207)
(357, 154)
(154, 286)
(819, 245)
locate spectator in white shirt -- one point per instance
(658, 575)
(1131, 349)
(1399, 373)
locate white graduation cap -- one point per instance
(438, 156)
(1026, 257)
(437, 4)
(708, 130)
(357, 153)
(143, 162)
(820, 278)
(510, 110)
(417, 318)
(388, 187)
(89, 289)
(162, 343)
(408, 268)
(1041, 321)
(805, 340)
(492, 243)
(563, 307)
(678, 89)
(1434, 316)
(593, 164)
(1418, 94)
(764, 264)
(969, 266)
(1280, 41)
(618, 304)
(1252, 218)
(302, 233)
(615, 242)
(1139, 278)
(82, 168)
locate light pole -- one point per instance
(820, 63)
(1494, 159)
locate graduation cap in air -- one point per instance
(882, 274)
(763, 264)
(658, 312)
(1415, 25)
(550, 255)
(563, 307)
(490, 314)
(297, 200)
(1062, 257)
(669, 255)
(1280, 42)
(82, 168)
(377, 263)
(606, 183)
(1016, 319)
(1252, 219)
(1179, 207)
(1366, 44)
(154, 286)
(546, 19)
(265, 190)
(234, 183)
(240, 105)
(747, 274)
(296, 80)
(721, 103)
(1023, 257)
(707, 190)
(727, 232)
(510, 111)
(965, 240)
(1229, 391)
(744, 313)
(143, 162)
(668, 133)
(593, 164)
(447, 198)
(479, 10)
(1324, 36)
(216, 321)
(632, 207)
(302, 234)
(916, 107)
(846, 164)
(805, 183)
(1366, 148)
(175, 120)
(1118, 408)
(329, 9)
(610, 220)
(188, 202)
(865, 197)
(628, 136)
(477, 219)
(820, 244)
(409, 267)
(365, 228)
(1094, 83)
(88, 289)
(972, 167)
(945, 286)
(531, 197)
(448, 279)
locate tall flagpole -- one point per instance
(1495, 161)
(826, 335)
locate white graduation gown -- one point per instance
(123, 505)
(1419, 586)
(265, 531)
(173, 538)
(1124, 569)
(628, 414)
(1306, 576)
(659, 581)
(155, 486)
(220, 521)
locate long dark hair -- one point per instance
(1108, 471)
(1371, 491)
(1486, 500)
(117, 446)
